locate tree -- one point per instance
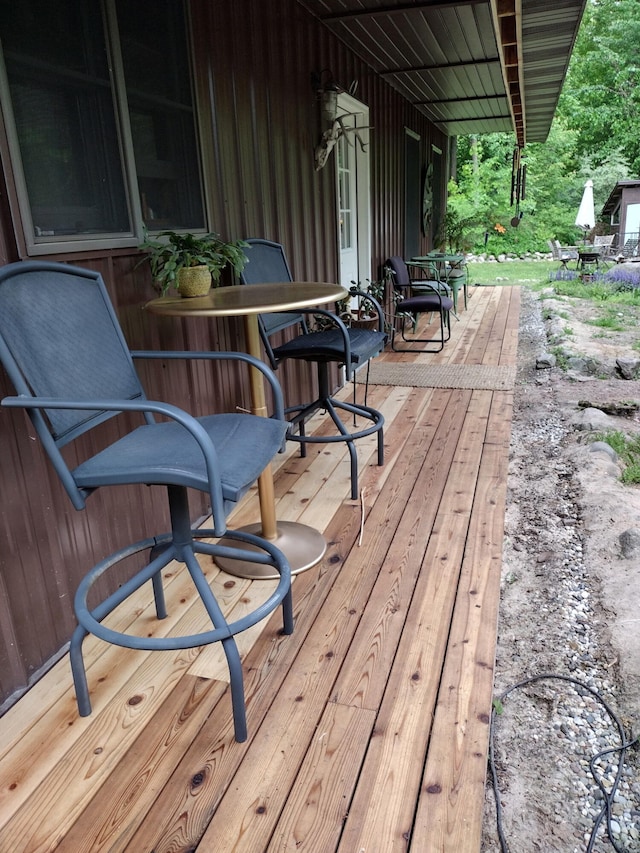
(482, 192)
(601, 95)
(593, 136)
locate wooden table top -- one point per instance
(243, 299)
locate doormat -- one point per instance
(482, 377)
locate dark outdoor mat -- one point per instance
(474, 376)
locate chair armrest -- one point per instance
(362, 294)
(278, 397)
(430, 266)
(436, 287)
(146, 406)
(341, 327)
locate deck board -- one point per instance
(368, 726)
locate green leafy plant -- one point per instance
(453, 232)
(360, 311)
(170, 251)
(375, 289)
(628, 450)
(321, 323)
(609, 323)
(562, 360)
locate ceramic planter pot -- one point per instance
(194, 281)
(360, 321)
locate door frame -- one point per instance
(348, 105)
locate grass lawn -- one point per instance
(511, 272)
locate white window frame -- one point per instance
(19, 202)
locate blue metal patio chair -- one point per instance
(64, 351)
(351, 347)
(429, 300)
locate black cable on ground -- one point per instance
(607, 796)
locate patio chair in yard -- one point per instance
(64, 351)
(604, 244)
(351, 347)
(564, 254)
(430, 300)
(629, 250)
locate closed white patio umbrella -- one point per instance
(586, 218)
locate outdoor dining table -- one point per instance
(588, 256)
(304, 546)
(456, 262)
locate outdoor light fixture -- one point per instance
(327, 90)
(329, 99)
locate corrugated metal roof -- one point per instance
(471, 66)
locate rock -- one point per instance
(622, 407)
(592, 420)
(629, 368)
(584, 364)
(556, 329)
(545, 361)
(630, 542)
(603, 447)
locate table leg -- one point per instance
(302, 545)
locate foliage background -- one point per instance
(595, 135)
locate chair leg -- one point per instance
(366, 384)
(86, 618)
(445, 326)
(181, 544)
(353, 455)
(329, 404)
(158, 587)
(229, 646)
(366, 388)
(79, 672)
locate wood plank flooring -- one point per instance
(368, 727)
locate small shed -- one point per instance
(622, 212)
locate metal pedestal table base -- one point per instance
(302, 545)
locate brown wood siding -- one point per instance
(259, 125)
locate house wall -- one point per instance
(260, 123)
(629, 217)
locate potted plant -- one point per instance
(364, 315)
(321, 323)
(355, 310)
(190, 262)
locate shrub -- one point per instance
(623, 279)
(628, 449)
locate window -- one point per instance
(99, 112)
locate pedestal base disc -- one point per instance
(302, 545)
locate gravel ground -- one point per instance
(568, 657)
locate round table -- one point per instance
(304, 546)
(588, 257)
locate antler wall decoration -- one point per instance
(328, 96)
(331, 136)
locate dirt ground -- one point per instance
(570, 591)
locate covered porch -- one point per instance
(368, 727)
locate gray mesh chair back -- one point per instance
(51, 352)
(337, 344)
(64, 351)
(267, 264)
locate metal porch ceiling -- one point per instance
(471, 66)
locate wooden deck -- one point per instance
(368, 727)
